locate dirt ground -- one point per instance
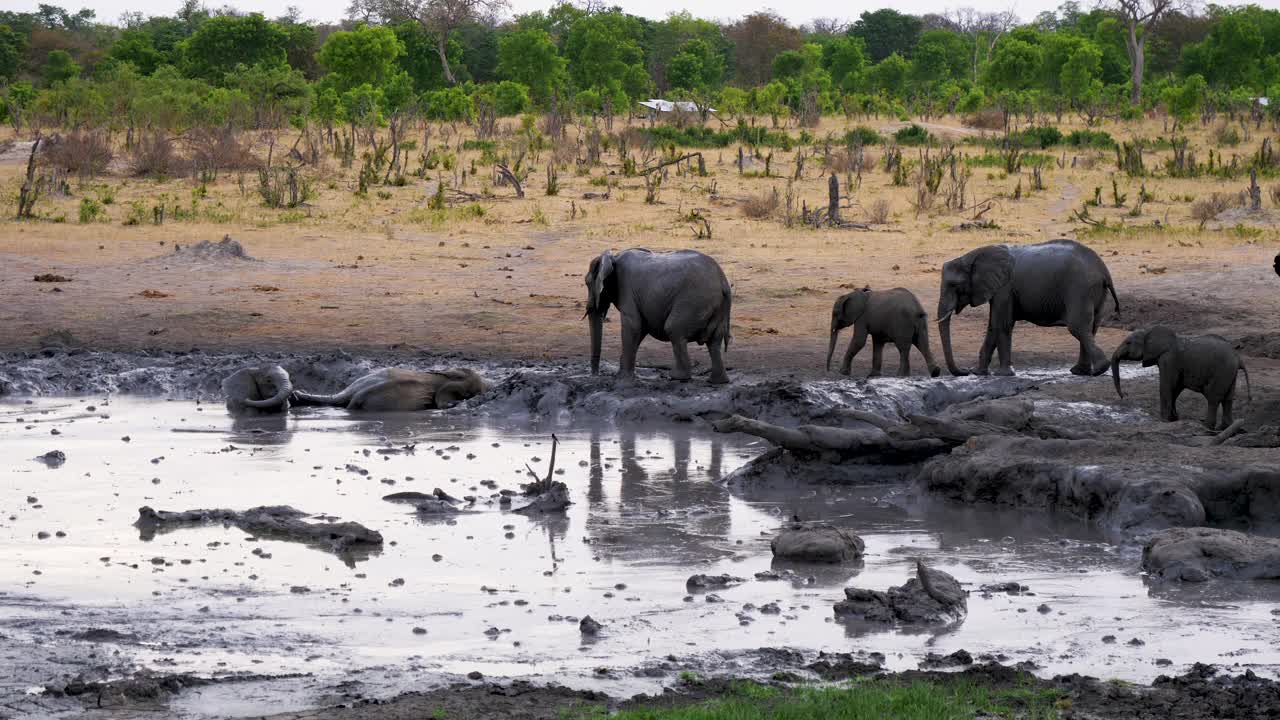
(372, 272)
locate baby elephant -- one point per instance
(887, 316)
(398, 389)
(1207, 364)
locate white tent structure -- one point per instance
(657, 105)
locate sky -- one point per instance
(797, 11)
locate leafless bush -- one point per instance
(761, 205)
(985, 120)
(878, 211)
(154, 154)
(84, 153)
(1206, 209)
(215, 150)
(1274, 192)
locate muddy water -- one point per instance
(647, 514)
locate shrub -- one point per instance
(1206, 209)
(878, 211)
(154, 155)
(1091, 138)
(761, 205)
(985, 120)
(1037, 137)
(214, 150)
(1227, 135)
(863, 135)
(912, 134)
(90, 210)
(85, 154)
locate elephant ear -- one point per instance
(1158, 341)
(600, 270)
(450, 394)
(854, 304)
(990, 269)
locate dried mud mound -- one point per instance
(1203, 314)
(226, 250)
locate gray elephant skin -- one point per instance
(1207, 364)
(261, 390)
(888, 316)
(1056, 283)
(399, 389)
(678, 297)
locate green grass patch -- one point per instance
(869, 699)
(701, 136)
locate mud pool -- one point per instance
(497, 592)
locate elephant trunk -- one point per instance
(597, 339)
(1115, 372)
(831, 347)
(284, 388)
(944, 333)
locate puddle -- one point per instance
(647, 514)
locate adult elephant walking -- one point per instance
(1055, 283)
(677, 297)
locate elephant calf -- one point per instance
(1207, 364)
(894, 316)
(398, 389)
(261, 390)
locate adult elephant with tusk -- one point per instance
(261, 390)
(399, 389)
(677, 297)
(1055, 283)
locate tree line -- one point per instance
(465, 61)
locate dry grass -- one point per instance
(761, 205)
(878, 211)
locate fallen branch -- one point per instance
(510, 177)
(682, 158)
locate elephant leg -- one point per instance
(922, 344)
(904, 358)
(984, 355)
(855, 346)
(1228, 401)
(877, 356)
(631, 339)
(683, 369)
(1168, 398)
(1004, 346)
(715, 349)
(1091, 361)
(1210, 412)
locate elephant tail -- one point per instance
(1112, 287)
(336, 400)
(1248, 386)
(725, 330)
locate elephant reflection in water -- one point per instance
(674, 513)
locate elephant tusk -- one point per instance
(946, 317)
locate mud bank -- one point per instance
(1203, 692)
(542, 391)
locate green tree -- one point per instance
(12, 49)
(138, 49)
(695, 68)
(845, 58)
(1015, 65)
(448, 105)
(363, 55)
(530, 58)
(221, 43)
(59, 67)
(605, 46)
(1079, 78)
(275, 92)
(420, 60)
(887, 31)
(890, 75)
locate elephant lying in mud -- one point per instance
(268, 389)
(1055, 283)
(261, 390)
(677, 297)
(396, 389)
(1207, 364)
(887, 316)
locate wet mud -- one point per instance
(657, 529)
